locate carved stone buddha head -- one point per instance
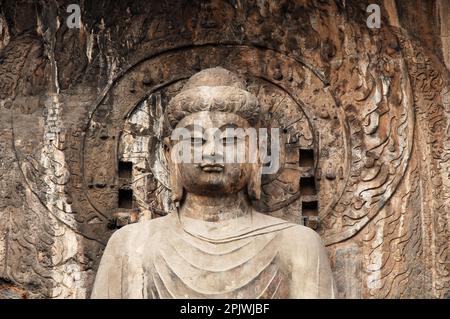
(207, 120)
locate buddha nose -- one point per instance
(210, 147)
(213, 151)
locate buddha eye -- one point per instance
(229, 140)
(196, 141)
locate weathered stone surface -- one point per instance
(366, 116)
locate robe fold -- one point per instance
(168, 258)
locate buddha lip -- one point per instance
(212, 167)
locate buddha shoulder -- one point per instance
(302, 239)
(142, 232)
(293, 232)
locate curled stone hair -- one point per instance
(214, 89)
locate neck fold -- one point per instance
(215, 208)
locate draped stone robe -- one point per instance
(171, 257)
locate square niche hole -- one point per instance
(125, 169)
(307, 186)
(125, 198)
(306, 158)
(310, 208)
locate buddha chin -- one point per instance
(214, 179)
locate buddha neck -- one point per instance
(215, 208)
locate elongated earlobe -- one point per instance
(176, 186)
(254, 185)
(174, 178)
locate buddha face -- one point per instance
(219, 161)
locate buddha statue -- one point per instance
(215, 245)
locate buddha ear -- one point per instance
(175, 184)
(174, 174)
(254, 184)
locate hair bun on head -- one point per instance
(214, 89)
(217, 76)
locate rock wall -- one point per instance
(365, 114)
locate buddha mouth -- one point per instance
(212, 167)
